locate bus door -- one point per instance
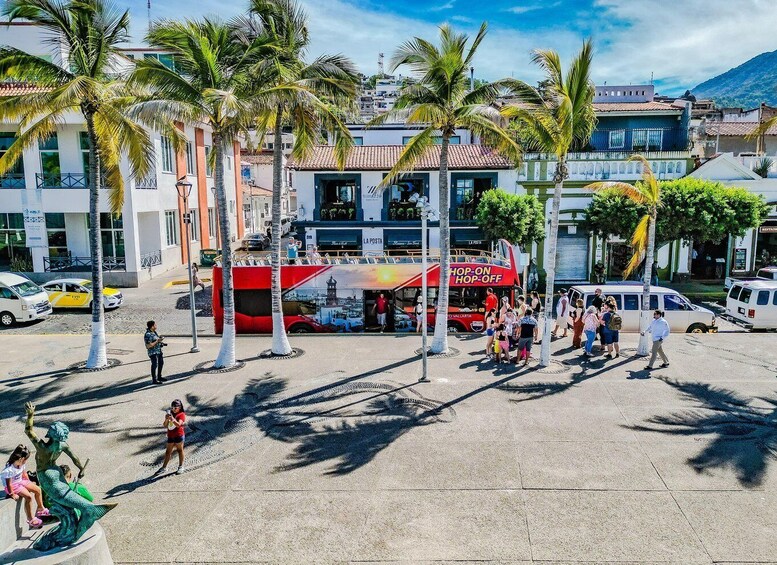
(371, 298)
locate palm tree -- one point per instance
(208, 83)
(646, 193)
(556, 119)
(440, 101)
(89, 82)
(306, 97)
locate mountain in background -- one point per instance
(747, 85)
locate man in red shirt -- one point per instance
(492, 302)
(381, 307)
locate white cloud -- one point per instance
(447, 6)
(683, 45)
(522, 9)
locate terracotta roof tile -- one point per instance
(18, 88)
(735, 129)
(383, 157)
(249, 190)
(257, 158)
(604, 107)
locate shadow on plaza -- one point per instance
(744, 436)
(343, 424)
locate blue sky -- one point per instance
(682, 42)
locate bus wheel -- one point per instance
(455, 327)
(696, 329)
(300, 329)
(7, 319)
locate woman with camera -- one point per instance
(175, 420)
(154, 343)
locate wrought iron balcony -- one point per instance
(81, 264)
(146, 184)
(62, 180)
(14, 180)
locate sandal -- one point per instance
(35, 523)
(43, 512)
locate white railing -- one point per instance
(753, 162)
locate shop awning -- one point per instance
(467, 237)
(339, 238)
(402, 238)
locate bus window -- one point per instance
(734, 294)
(617, 298)
(467, 299)
(674, 302)
(253, 302)
(589, 300)
(745, 296)
(763, 298)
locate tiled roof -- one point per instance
(257, 158)
(249, 190)
(604, 107)
(735, 129)
(18, 88)
(383, 158)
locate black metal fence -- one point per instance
(80, 264)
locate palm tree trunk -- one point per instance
(98, 356)
(643, 349)
(550, 260)
(280, 342)
(440, 340)
(226, 356)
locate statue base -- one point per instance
(91, 549)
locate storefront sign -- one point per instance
(373, 193)
(469, 274)
(372, 241)
(768, 229)
(740, 259)
(34, 219)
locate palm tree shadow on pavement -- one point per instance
(744, 436)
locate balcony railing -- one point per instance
(146, 184)
(638, 139)
(148, 260)
(62, 180)
(338, 212)
(403, 212)
(13, 181)
(79, 264)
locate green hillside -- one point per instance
(747, 85)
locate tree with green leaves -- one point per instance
(518, 218)
(212, 84)
(88, 82)
(309, 97)
(647, 194)
(555, 118)
(440, 102)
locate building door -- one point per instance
(618, 259)
(571, 255)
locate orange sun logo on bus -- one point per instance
(385, 275)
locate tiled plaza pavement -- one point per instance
(340, 456)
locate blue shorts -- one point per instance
(176, 439)
(490, 332)
(610, 336)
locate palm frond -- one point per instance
(629, 190)
(639, 240)
(418, 145)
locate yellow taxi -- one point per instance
(77, 293)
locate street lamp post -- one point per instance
(184, 189)
(422, 203)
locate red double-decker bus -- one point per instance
(338, 294)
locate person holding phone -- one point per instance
(154, 343)
(175, 420)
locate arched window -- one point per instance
(670, 167)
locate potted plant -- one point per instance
(351, 213)
(392, 213)
(401, 214)
(341, 213)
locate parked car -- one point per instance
(679, 312)
(21, 300)
(77, 293)
(753, 304)
(765, 274)
(256, 242)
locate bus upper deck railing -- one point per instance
(246, 259)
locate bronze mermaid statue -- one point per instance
(63, 501)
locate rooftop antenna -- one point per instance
(380, 62)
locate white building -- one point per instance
(257, 179)
(145, 239)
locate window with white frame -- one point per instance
(167, 155)
(647, 139)
(208, 167)
(617, 139)
(212, 221)
(189, 158)
(194, 226)
(172, 235)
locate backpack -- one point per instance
(615, 322)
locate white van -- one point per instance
(21, 300)
(679, 312)
(753, 304)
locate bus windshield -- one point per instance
(26, 288)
